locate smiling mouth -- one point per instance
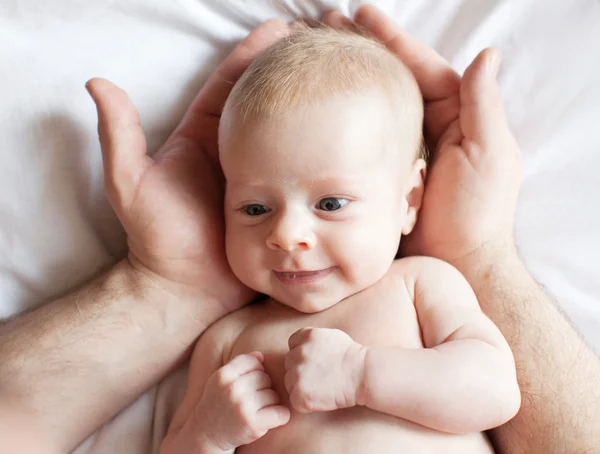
(302, 277)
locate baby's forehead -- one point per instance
(315, 66)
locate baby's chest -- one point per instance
(383, 315)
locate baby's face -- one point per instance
(315, 201)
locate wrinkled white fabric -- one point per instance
(57, 230)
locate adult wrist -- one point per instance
(495, 271)
(489, 260)
(179, 307)
(189, 439)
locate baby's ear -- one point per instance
(413, 194)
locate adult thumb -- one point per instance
(482, 117)
(122, 141)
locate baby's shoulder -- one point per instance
(419, 265)
(422, 269)
(223, 333)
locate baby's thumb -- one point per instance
(274, 416)
(122, 141)
(258, 355)
(482, 117)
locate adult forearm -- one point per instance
(461, 386)
(190, 439)
(557, 372)
(76, 362)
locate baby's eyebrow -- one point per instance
(325, 182)
(339, 180)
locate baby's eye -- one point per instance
(331, 203)
(255, 209)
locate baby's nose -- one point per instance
(291, 233)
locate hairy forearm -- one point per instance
(190, 439)
(461, 386)
(77, 361)
(557, 372)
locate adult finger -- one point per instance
(434, 75)
(438, 116)
(206, 108)
(240, 365)
(335, 19)
(122, 141)
(273, 416)
(482, 117)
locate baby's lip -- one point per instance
(299, 272)
(293, 277)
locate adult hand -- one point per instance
(474, 175)
(171, 204)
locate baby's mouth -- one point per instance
(302, 277)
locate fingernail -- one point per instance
(493, 63)
(345, 21)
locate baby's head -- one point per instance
(321, 146)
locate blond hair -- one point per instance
(314, 64)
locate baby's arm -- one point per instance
(224, 406)
(465, 378)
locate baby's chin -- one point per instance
(309, 303)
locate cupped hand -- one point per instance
(171, 204)
(475, 170)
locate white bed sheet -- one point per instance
(57, 230)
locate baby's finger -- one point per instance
(258, 355)
(299, 403)
(289, 380)
(299, 337)
(240, 365)
(273, 416)
(266, 398)
(255, 380)
(294, 357)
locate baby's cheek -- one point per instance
(369, 255)
(244, 259)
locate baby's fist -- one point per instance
(324, 369)
(239, 405)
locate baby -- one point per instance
(350, 351)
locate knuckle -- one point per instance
(247, 412)
(265, 379)
(222, 377)
(301, 401)
(254, 432)
(303, 353)
(235, 393)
